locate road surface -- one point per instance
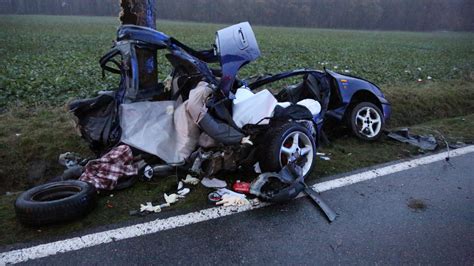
(423, 215)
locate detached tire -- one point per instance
(366, 121)
(280, 145)
(55, 203)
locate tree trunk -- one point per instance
(142, 13)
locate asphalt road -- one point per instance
(419, 216)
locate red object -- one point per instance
(242, 187)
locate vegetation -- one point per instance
(49, 60)
(419, 15)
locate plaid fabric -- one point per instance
(104, 173)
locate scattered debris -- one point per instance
(173, 198)
(256, 168)
(232, 200)
(183, 192)
(180, 185)
(241, 187)
(190, 180)
(213, 183)
(148, 207)
(286, 185)
(457, 145)
(214, 197)
(428, 143)
(105, 172)
(324, 158)
(70, 160)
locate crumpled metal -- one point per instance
(427, 143)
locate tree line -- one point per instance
(414, 15)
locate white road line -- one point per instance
(77, 243)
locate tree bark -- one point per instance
(142, 13)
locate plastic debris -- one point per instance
(148, 207)
(184, 191)
(241, 187)
(225, 191)
(173, 198)
(257, 168)
(180, 185)
(213, 183)
(69, 159)
(214, 197)
(246, 140)
(232, 200)
(148, 172)
(428, 143)
(190, 180)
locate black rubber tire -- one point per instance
(125, 183)
(352, 121)
(270, 151)
(55, 203)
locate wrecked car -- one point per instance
(202, 121)
(205, 120)
(356, 103)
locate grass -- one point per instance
(46, 61)
(346, 153)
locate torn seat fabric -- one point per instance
(105, 172)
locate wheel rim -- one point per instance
(295, 146)
(368, 122)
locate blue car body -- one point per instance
(235, 47)
(344, 91)
(349, 88)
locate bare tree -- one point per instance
(142, 13)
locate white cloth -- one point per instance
(249, 108)
(231, 200)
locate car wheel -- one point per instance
(55, 203)
(290, 142)
(366, 121)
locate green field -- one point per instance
(46, 60)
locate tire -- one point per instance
(55, 203)
(366, 121)
(272, 156)
(128, 182)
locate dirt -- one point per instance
(417, 205)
